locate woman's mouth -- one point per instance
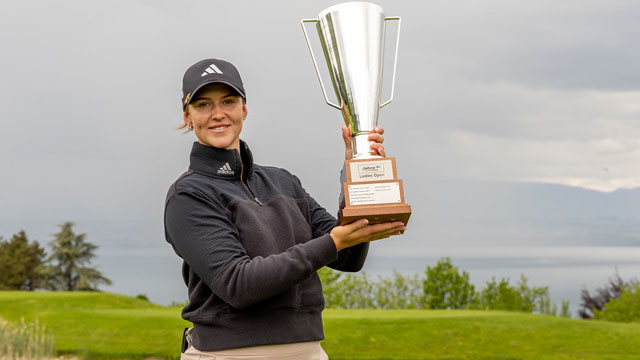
(219, 127)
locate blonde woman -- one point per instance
(250, 236)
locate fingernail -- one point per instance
(365, 222)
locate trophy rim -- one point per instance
(348, 4)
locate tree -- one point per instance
(503, 296)
(625, 308)
(499, 296)
(20, 263)
(399, 292)
(330, 287)
(347, 291)
(358, 291)
(446, 288)
(566, 312)
(596, 302)
(68, 268)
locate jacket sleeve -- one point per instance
(350, 259)
(206, 239)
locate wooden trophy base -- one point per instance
(376, 213)
(374, 192)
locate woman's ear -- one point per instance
(187, 119)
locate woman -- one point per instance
(250, 236)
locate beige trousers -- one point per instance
(299, 351)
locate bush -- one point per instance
(399, 292)
(446, 288)
(347, 291)
(499, 296)
(503, 296)
(443, 286)
(596, 302)
(358, 291)
(625, 308)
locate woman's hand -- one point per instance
(360, 231)
(376, 137)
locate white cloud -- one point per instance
(583, 138)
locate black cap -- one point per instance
(206, 72)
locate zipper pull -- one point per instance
(258, 201)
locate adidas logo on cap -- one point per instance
(212, 69)
(226, 170)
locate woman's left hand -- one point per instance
(375, 137)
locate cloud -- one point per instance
(501, 90)
(569, 44)
(509, 131)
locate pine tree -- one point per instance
(20, 263)
(68, 268)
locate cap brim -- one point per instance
(213, 81)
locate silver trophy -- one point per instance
(352, 38)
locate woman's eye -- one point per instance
(203, 104)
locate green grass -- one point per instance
(100, 325)
(440, 334)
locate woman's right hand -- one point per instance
(360, 231)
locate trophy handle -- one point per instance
(315, 65)
(395, 61)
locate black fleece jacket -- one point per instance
(251, 250)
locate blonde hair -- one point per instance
(182, 126)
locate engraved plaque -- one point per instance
(375, 193)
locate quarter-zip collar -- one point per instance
(221, 163)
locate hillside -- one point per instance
(102, 325)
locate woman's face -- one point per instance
(216, 114)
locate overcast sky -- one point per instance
(542, 91)
(519, 91)
(536, 91)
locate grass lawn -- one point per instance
(466, 334)
(101, 325)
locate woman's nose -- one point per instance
(217, 112)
